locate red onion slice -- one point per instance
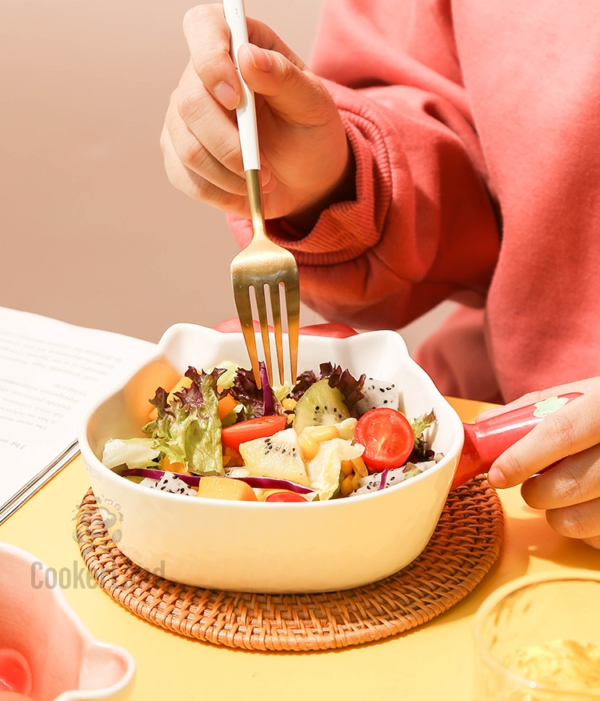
(272, 483)
(383, 480)
(194, 480)
(268, 409)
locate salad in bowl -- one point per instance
(217, 434)
(334, 482)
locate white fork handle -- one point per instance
(235, 17)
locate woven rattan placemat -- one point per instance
(466, 543)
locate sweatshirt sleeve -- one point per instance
(423, 225)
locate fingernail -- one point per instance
(269, 184)
(265, 175)
(496, 478)
(260, 59)
(226, 95)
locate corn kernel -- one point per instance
(324, 433)
(360, 467)
(288, 404)
(347, 467)
(347, 486)
(308, 447)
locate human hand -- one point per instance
(305, 156)
(567, 442)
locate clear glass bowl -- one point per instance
(538, 639)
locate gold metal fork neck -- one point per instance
(255, 202)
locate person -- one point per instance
(434, 149)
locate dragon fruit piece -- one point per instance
(169, 483)
(378, 393)
(371, 483)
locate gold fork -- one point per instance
(263, 266)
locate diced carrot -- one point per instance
(231, 457)
(226, 406)
(178, 467)
(142, 386)
(225, 488)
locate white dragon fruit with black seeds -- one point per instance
(371, 483)
(169, 483)
(378, 393)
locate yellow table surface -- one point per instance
(434, 661)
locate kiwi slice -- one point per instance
(275, 456)
(320, 405)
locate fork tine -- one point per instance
(244, 310)
(276, 311)
(264, 328)
(292, 304)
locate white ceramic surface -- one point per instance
(66, 662)
(249, 546)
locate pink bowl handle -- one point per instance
(15, 672)
(488, 439)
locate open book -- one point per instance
(48, 371)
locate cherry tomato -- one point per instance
(387, 436)
(248, 430)
(285, 496)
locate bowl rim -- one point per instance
(453, 452)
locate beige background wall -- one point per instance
(91, 231)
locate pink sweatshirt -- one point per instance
(475, 126)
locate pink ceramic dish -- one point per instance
(273, 547)
(59, 658)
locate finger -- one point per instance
(195, 186)
(572, 481)
(206, 137)
(197, 158)
(214, 128)
(570, 430)
(208, 39)
(581, 521)
(287, 86)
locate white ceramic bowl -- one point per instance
(261, 547)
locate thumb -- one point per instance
(287, 86)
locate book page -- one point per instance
(49, 371)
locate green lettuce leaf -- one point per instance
(187, 428)
(418, 426)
